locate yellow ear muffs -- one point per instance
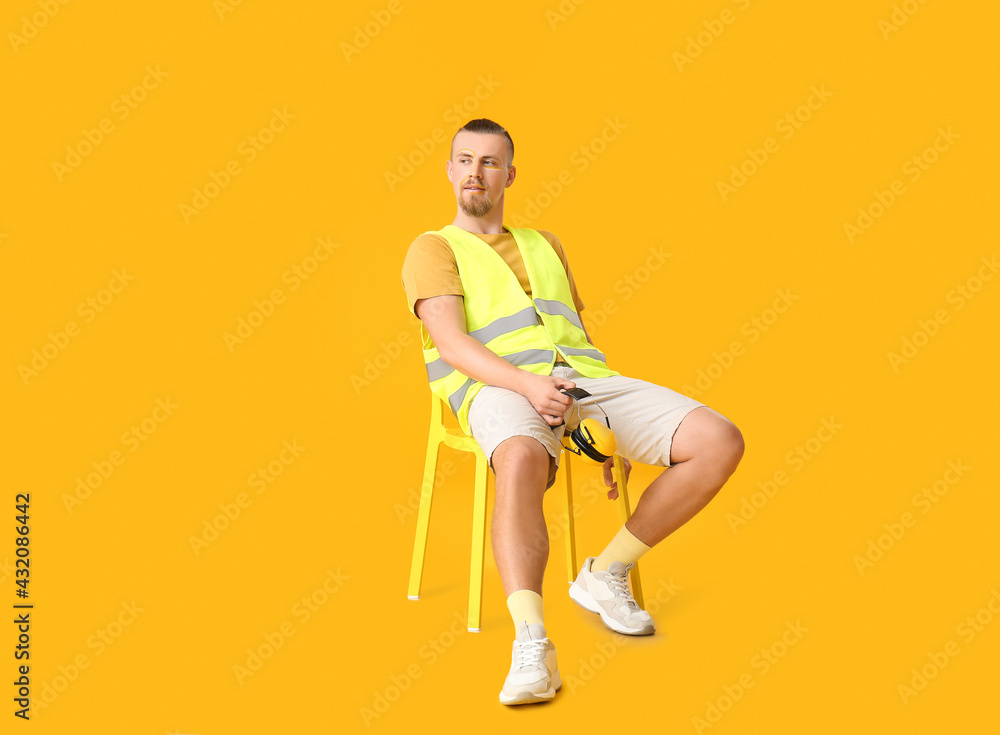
(594, 440)
(591, 439)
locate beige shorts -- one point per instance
(643, 416)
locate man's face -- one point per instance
(478, 171)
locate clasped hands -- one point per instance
(544, 394)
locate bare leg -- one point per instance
(520, 538)
(704, 452)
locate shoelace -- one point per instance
(530, 653)
(619, 586)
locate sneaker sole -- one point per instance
(585, 600)
(530, 697)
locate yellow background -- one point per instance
(339, 511)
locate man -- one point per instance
(502, 340)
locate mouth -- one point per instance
(474, 188)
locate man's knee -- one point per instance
(730, 444)
(706, 433)
(519, 450)
(524, 470)
(519, 453)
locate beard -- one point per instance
(476, 205)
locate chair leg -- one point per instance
(619, 473)
(566, 481)
(423, 517)
(478, 544)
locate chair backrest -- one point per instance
(442, 418)
(437, 413)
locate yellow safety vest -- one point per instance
(524, 331)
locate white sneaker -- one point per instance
(608, 595)
(534, 675)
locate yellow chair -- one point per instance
(457, 439)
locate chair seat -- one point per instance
(458, 439)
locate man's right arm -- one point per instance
(444, 319)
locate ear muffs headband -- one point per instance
(591, 439)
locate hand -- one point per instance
(609, 478)
(542, 391)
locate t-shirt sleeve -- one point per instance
(557, 246)
(430, 269)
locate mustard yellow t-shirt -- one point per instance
(430, 268)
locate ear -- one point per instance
(448, 169)
(511, 173)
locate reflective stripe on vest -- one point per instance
(525, 357)
(594, 354)
(524, 318)
(557, 308)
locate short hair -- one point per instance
(484, 126)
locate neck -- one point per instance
(491, 224)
